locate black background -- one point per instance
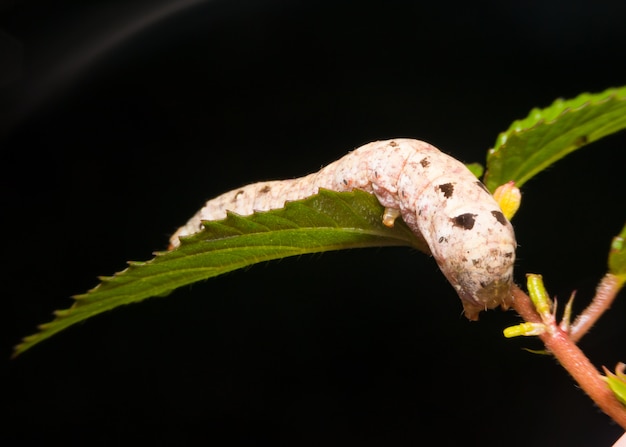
(119, 119)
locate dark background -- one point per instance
(119, 119)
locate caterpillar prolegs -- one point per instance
(440, 200)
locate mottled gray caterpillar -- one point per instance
(440, 200)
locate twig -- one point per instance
(559, 343)
(605, 294)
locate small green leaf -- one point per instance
(539, 296)
(323, 222)
(546, 135)
(617, 254)
(524, 329)
(617, 382)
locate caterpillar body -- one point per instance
(440, 200)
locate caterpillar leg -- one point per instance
(389, 216)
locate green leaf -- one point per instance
(617, 255)
(617, 382)
(323, 222)
(476, 169)
(546, 135)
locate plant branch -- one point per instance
(608, 288)
(559, 343)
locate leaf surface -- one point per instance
(545, 136)
(323, 222)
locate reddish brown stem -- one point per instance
(573, 360)
(605, 294)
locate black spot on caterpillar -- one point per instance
(499, 217)
(474, 251)
(465, 221)
(482, 186)
(447, 189)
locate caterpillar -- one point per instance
(440, 200)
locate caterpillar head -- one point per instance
(476, 298)
(476, 253)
